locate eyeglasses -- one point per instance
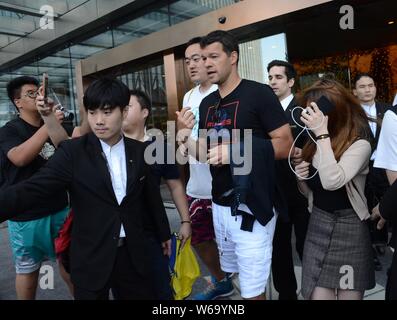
(31, 94)
(195, 58)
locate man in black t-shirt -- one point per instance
(238, 104)
(134, 127)
(27, 144)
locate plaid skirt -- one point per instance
(337, 253)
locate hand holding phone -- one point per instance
(45, 85)
(313, 119)
(323, 103)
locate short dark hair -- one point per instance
(228, 41)
(15, 85)
(106, 93)
(290, 71)
(143, 100)
(361, 75)
(195, 40)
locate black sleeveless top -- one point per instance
(324, 199)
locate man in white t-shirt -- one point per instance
(198, 188)
(386, 158)
(386, 155)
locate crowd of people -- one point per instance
(88, 196)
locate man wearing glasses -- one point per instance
(198, 188)
(27, 143)
(244, 236)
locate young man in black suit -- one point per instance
(282, 77)
(376, 184)
(111, 189)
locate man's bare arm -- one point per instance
(282, 141)
(26, 152)
(56, 132)
(391, 176)
(197, 149)
(52, 119)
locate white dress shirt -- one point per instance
(371, 113)
(286, 101)
(115, 157)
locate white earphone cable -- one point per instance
(304, 129)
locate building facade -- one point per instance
(142, 43)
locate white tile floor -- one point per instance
(377, 293)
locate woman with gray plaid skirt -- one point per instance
(337, 258)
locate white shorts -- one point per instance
(247, 253)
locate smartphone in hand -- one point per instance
(45, 85)
(325, 105)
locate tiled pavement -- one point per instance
(377, 293)
(60, 292)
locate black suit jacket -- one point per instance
(288, 113)
(286, 180)
(381, 108)
(80, 167)
(376, 183)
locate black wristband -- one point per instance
(322, 136)
(186, 221)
